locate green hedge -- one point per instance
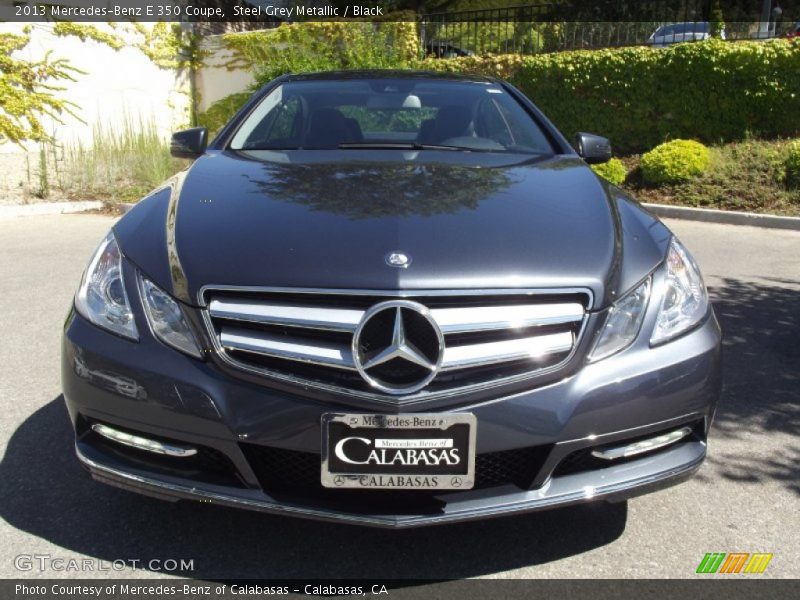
(639, 97)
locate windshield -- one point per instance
(390, 113)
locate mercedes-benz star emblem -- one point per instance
(398, 347)
(398, 259)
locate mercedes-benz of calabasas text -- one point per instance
(394, 299)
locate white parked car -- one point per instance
(675, 33)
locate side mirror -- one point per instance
(592, 148)
(189, 143)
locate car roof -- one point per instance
(390, 74)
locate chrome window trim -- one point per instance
(422, 396)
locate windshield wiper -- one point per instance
(403, 146)
(399, 146)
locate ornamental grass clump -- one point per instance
(791, 165)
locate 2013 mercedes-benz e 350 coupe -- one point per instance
(394, 299)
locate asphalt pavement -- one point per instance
(746, 497)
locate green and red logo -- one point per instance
(734, 562)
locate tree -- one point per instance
(418, 6)
(28, 90)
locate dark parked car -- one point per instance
(442, 49)
(394, 299)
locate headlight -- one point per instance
(101, 297)
(684, 301)
(166, 318)
(623, 322)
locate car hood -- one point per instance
(309, 219)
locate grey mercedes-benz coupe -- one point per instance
(395, 299)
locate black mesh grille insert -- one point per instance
(290, 471)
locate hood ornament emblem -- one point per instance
(398, 259)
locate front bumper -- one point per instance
(148, 388)
(617, 483)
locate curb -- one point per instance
(707, 215)
(47, 208)
(724, 217)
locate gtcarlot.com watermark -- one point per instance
(48, 562)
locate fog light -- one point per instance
(142, 443)
(642, 446)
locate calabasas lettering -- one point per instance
(399, 481)
(397, 456)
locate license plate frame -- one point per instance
(426, 433)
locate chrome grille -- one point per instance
(306, 336)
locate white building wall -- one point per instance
(115, 84)
(215, 80)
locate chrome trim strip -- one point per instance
(450, 320)
(340, 356)
(311, 317)
(636, 431)
(319, 353)
(399, 293)
(486, 318)
(140, 442)
(647, 445)
(475, 355)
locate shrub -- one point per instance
(711, 91)
(791, 165)
(613, 171)
(674, 162)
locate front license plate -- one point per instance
(418, 451)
